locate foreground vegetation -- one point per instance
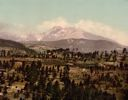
(64, 75)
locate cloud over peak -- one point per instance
(48, 24)
(94, 27)
(22, 32)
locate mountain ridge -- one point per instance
(83, 45)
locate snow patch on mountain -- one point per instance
(58, 33)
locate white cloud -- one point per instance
(103, 30)
(18, 32)
(48, 24)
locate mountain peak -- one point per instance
(58, 33)
(57, 27)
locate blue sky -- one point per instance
(108, 18)
(110, 12)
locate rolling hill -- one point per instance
(9, 44)
(83, 45)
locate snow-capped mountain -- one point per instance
(53, 34)
(58, 33)
(70, 37)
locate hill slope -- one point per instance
(83, 45)
(12, 44)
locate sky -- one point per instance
(98, 16)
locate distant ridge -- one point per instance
(83, 45)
